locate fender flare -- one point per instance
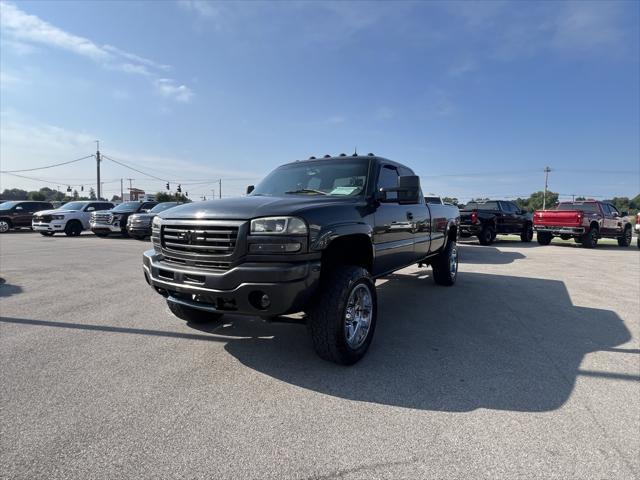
(323, 238)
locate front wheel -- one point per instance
(527, 233)
(544, 238)
(445, 266)
(73, 229)
(192, 315)
(4, 226)
(625, 239)
(342, 319)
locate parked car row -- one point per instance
(584, 221)
(72, 218)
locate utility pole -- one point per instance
(220, 188)
(98, 184)
(546, 185)
(121, 190)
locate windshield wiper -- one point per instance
(307, 190)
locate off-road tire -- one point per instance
(487, 235)
(590, 239)
(443, 271)
(192, 315)
(326, 315)
(47, 234)
(625, 239)
(544, 238)
(73, 228)
(527, 233)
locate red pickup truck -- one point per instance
(585, 222)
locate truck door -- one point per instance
(510, 219)
(422, 223)
(610, 222)
(393, 236)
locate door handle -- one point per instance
(409, 216)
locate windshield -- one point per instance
(325, 177)
(8, 205)
(583, 207)
(163, 206)
(127, 207)
(73, 206)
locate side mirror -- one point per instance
(90, 209)
(250, 188)
(19, 207)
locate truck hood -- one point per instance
(245, 208)
(54, 212)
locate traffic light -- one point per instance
(82, 188)
(68, 188)
(179, 188)
(168, 187)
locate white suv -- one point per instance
(71, 218)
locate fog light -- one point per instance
(265, 301)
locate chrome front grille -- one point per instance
(199, 239)
(42, 218)
(101, 217)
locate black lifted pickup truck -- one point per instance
(312, 236)
(487, 219)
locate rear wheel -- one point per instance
(5, 226)
(47, 234)
(445, 266)
(590, 239)
(625, 239)
(527, 233)
(544, 238)
(343, 317)
(193, 315)
(73, 228)
(487, 235)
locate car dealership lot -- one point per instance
(528, 367)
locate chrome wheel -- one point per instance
(453, 261)
(358, 315)
(4, 226)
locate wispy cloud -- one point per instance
(26, 29)
(170, 89)
(202, 8)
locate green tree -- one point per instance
(171, 197)
(36, 196)
(535, 201)
(14, 194)
(115, 198)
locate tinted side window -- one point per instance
(388, 178)
(605, 209)
(613, 210)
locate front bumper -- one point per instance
(106, 227)
(53, 226)
(139, 229)
(237, 290)
(559, 230)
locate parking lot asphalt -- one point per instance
(529, 367)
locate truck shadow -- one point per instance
(8, 289)
(487, 255)
(492, 341)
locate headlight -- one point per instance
(278, 225)
(156, 222)
(57, 217)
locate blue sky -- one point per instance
(477, 97)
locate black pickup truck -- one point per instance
(487, 219)
(312, 236)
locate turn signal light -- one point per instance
(474, 217)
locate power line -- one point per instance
(134, 169)
(48, 166)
